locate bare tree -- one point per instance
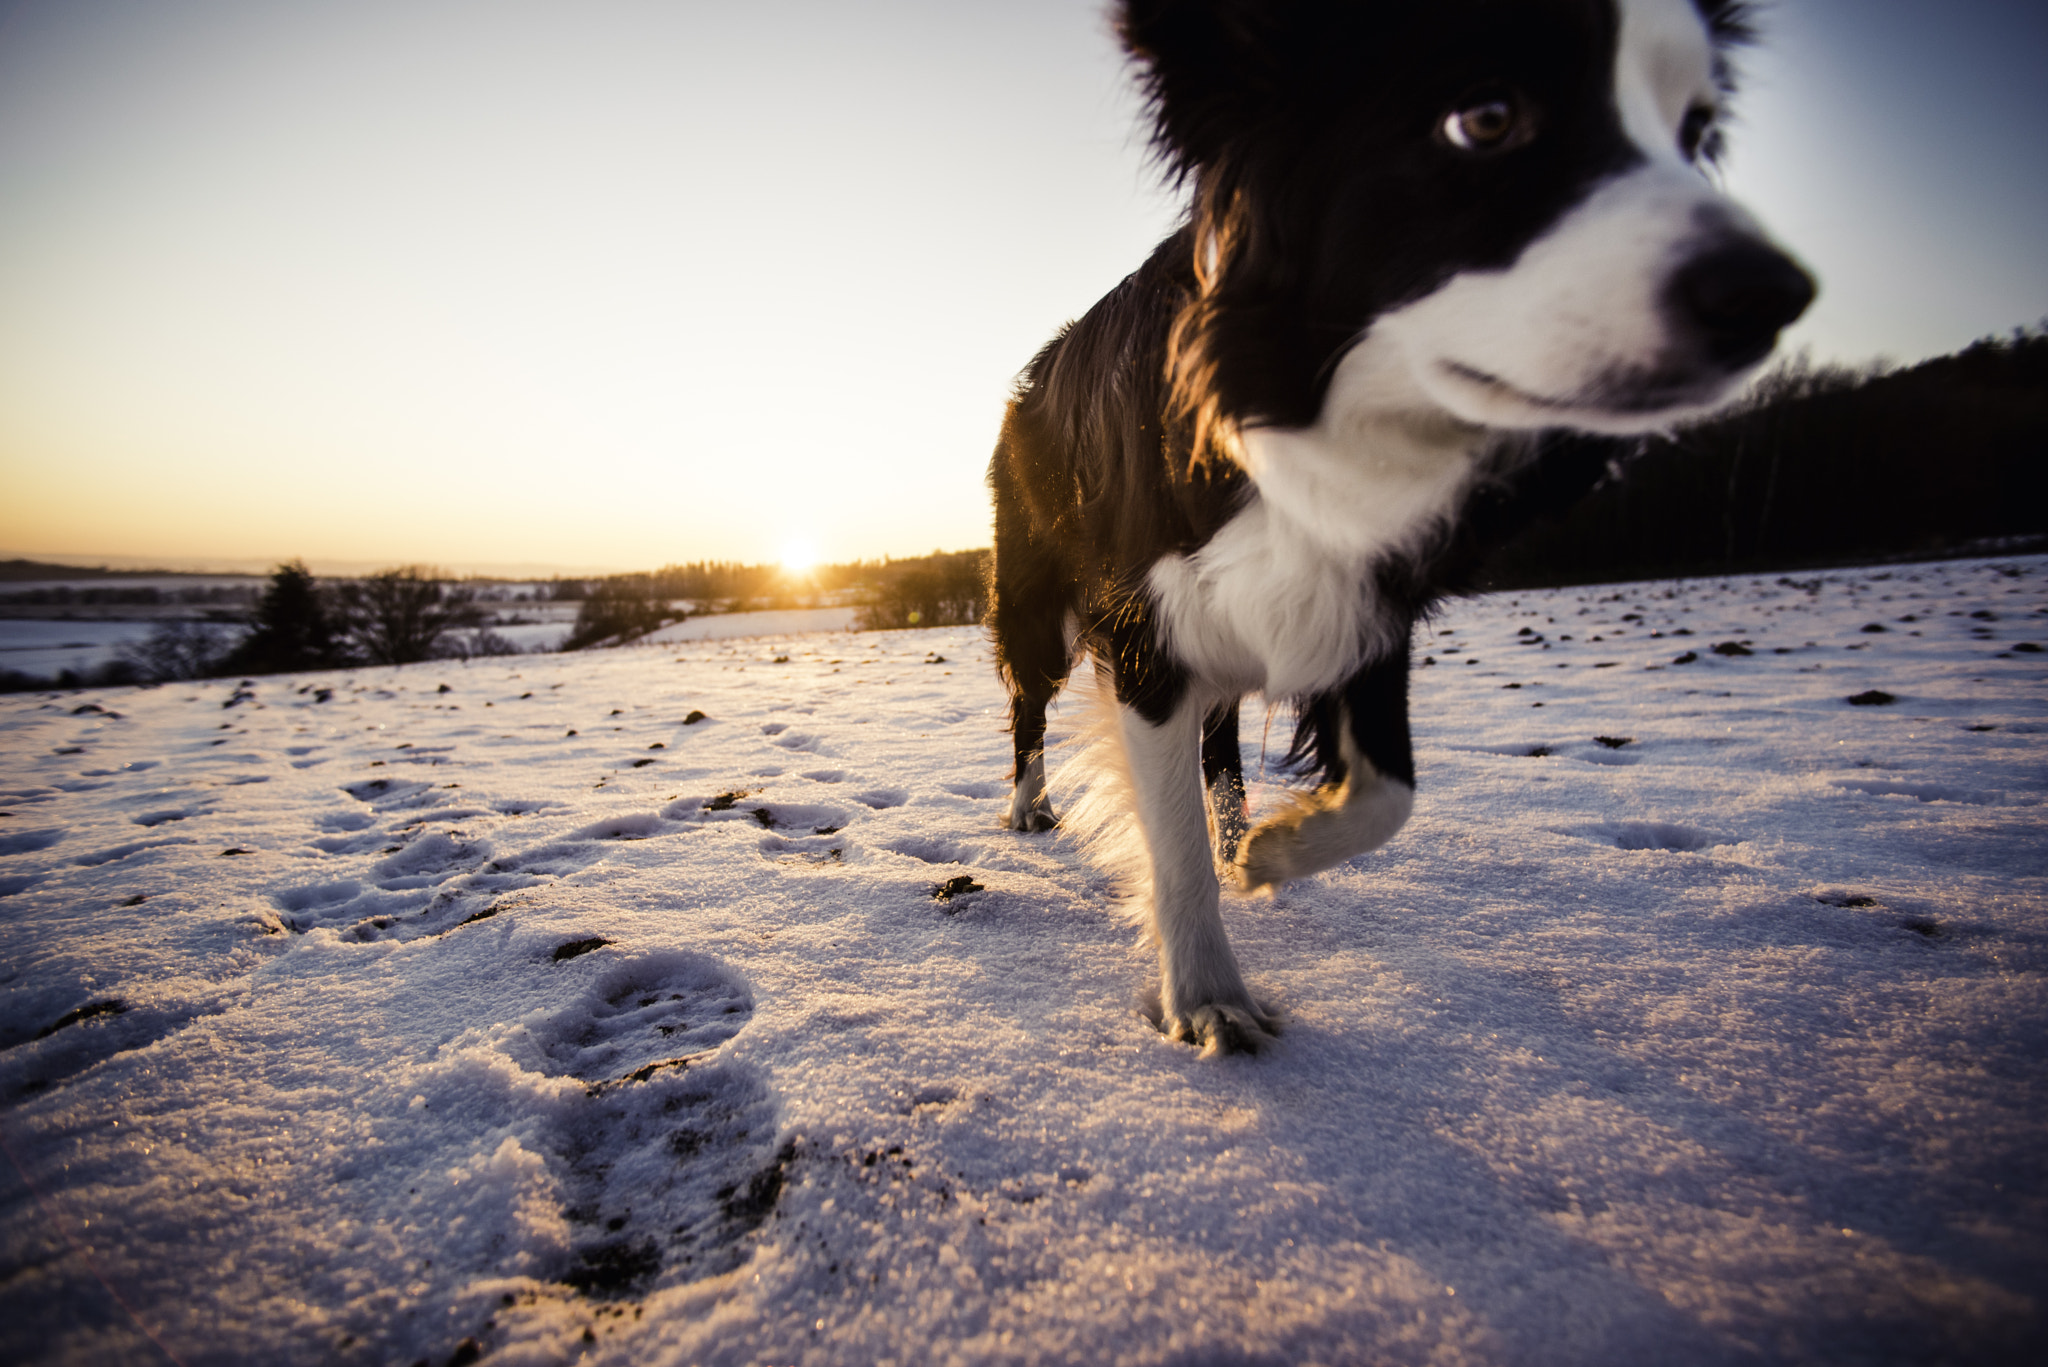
(942, 589)
(179, 649)
(618, 609)
(402, 615)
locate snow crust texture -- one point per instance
(515, 1011)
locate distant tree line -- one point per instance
(943, 589)
(705, 581)
(1822, 465)
(621, 608)
(130, 595)
(19, 569)
(395, 616)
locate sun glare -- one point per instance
(799, 556)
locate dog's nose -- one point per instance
(1738, 296)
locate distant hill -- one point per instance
(15, 571)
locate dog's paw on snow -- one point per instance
(1240, 1027)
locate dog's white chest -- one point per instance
(1282, 600)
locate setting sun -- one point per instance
(799, 556)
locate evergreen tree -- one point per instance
(293, 627)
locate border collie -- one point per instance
(1439, 255)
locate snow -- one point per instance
(1722, 1044)
(42, 647)
(768, 623)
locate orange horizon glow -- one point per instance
(490, 282)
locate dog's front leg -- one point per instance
(1202, 995)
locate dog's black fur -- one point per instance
(1321, 200)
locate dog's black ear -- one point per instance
(1731, 24)
(1211, 69)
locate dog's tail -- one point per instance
(1093, 789)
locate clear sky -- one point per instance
(613, 283)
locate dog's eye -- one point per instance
(1489, 122)
(1697, 134)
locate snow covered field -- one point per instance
(726, 626)
(501, 1010)
(45, 646)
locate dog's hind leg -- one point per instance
(1363, 745)
(1202, 996)
(1028, 610)
(1223, 776)
(1030, 808)
(1032, 645)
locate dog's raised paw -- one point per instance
(1273, 854)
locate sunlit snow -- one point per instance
(502, 1010)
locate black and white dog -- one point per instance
(1440, 254)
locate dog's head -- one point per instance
(1512, 196)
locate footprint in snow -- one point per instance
(27, 842)
(41, 1051)
(160, 816)
(977, 790)
(639, 826)
(644, 1015)
(402, 896)
(344, 821)
(388, 794)
(932, 850)
(818, 818)
(432, 858)
(1651, 835)
(1922, 792)
(672, 1160)
(315, 897)
(440, 880)
(824, 847)
(119, 852)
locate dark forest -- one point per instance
(1821, 466)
